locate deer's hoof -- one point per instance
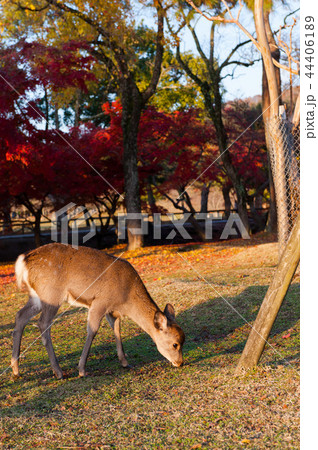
(15, 367)
(15, 376)
(128, 366)
(59, 375)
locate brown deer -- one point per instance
(57, 273)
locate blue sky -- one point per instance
(246, 81)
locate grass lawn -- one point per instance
(153, 405)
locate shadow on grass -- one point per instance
(209, 327)
(7, 326)
(216, 319)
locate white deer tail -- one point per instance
(20, 271)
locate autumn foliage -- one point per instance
(41, 165)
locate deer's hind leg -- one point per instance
(31, 309)
(45, 323)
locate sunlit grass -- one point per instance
(154, 405)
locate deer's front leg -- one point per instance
(95, 315)
(114, 322)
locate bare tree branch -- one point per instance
(150, 90)
(238, 23)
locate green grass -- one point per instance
(153, 405)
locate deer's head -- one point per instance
(169, 337)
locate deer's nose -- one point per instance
(178, 364)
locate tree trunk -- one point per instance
(7, 226)
(276, 135)
(259, 19)
(197, 227)
(46, 106)
(56, 118)
(37, 230)
(36, 213)
(227, 201)
(194, 222)
(240, 194)
(237, 182)
(211, 92)
(272, 302)
(151, 198)
(296, 112)
(132, 104)
(275, 54)
(257, 218)
(271, 225)
(225, 156)
(77, 108)
(205, 191)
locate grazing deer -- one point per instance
(57, 273)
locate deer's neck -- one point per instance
(142, 311)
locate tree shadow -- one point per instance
(7, 326)
(219, 317)
(213, 321)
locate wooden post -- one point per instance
(272, 302)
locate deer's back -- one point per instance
(83, 274)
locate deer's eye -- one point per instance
(175, 345)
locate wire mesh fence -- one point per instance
(284, 151)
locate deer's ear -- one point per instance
(169, 312)
(160, 321)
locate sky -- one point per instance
(247, 80)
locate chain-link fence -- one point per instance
(284, 151)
